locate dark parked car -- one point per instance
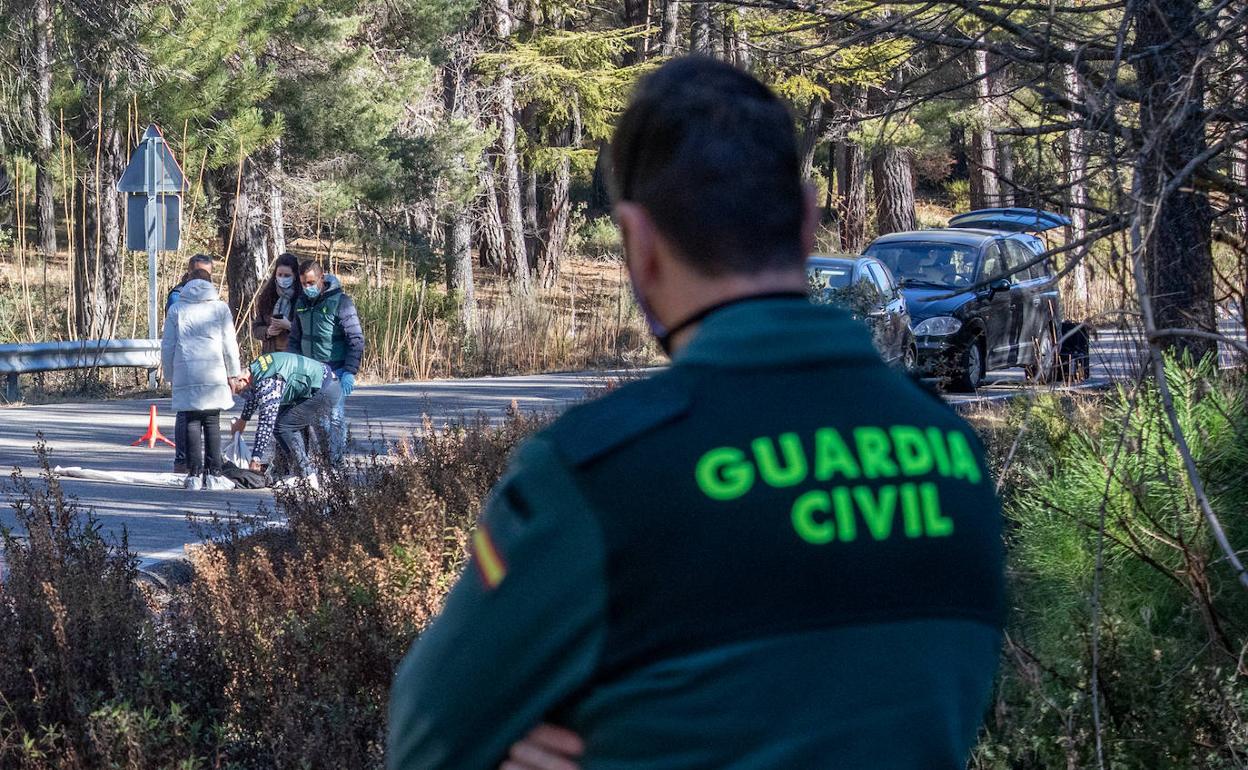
(975, 302)
(866, 288)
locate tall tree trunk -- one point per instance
(1076, 158)
(851, 179)
(813, 128)
(1239, 152)
(97, 240)
(277, 208)
(515, 259)
(960, 169)
(532, 229)
(831, 214)
(458, 256)
(554, 244)
(984, 190)
(715, 31)
(241, 227)
(457, 220)
(491, 240)
(1005, 173)
(671, 28)
(46, 205)
(1176, 228)
(700, 28)
(740, 39)
(637, 14)
(894, 190)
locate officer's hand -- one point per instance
(348, 383)
(256, 467)
(548, 747)
(238, 426)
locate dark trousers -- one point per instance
(179, 440)
(203, 442)
(294, 419)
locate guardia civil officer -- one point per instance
(777, 553)
(291, 394)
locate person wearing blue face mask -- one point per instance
(326, 327)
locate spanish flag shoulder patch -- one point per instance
(487, 558)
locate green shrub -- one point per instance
(1172, 629)
(600, 238)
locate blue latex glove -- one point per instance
(347, 379)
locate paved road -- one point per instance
(98, 434)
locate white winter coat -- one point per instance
(199, 349)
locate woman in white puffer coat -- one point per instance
(199, 351)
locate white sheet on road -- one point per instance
(123, 477)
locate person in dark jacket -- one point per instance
(778, 552)
(327, 328)
(196, 262)
(275, 306)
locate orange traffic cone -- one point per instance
(153, 433)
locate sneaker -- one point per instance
(218, 483)
(291, 482)
(193, 483)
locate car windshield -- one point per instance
(918, 263)
(822, 277)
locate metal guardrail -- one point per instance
(26, 358)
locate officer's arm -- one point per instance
(521, 630)
(296, 332)
(349, 319)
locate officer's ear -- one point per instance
(810, 218)
(641, 240)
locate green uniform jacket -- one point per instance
(777, 553)
(328, 328)
(302, 375)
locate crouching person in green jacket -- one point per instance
(779, 552)
(291, 394)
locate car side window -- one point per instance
(882, 281)
(994, 263)
(1016, 259)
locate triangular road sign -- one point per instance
(169, 178)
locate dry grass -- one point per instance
(411, 325)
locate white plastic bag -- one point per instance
(237, 452)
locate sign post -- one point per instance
(153, 183)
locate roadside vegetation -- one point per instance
(278, 651)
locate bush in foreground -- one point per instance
(279, 652)
(1172, 623)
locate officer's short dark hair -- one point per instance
(711, 154)
(199, 260)
(311, 266)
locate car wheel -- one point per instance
(970, 368)
(910, 359)
(1044, 368)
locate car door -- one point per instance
(1045, 295)
(994, 308)
(894, 319)
(867, 304)
(1025, 310)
